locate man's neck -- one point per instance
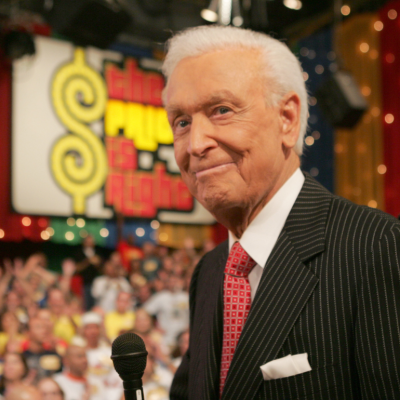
(93, 345)
(75, 376)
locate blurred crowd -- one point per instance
(56, 330)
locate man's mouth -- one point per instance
(213, 169)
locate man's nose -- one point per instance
(201, 136)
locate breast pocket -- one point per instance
(319, 383)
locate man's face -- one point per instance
(49, 390)
(76, 360)
(110, 270)
(123, 302)
(45, 316)
(56, 302)
(228, 142)
(37, 330)
(13, 300)
(91, 332)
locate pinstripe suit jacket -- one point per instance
(330, 288)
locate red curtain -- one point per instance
(390, 60)
(11, 223)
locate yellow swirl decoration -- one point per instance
(79, 159)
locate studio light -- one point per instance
(293, 4)
(210, 14)
(224, 12)
(237, 19)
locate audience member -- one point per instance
(142, 293)
(68, 268)
(73, 380)
(52, 342)
(88, 264)
(181, 348)
(122, 319)
(40, 358)
(106, 287)
(158, 284)
(10, 330)
(23, 392)
(116, 260)
(171, 307)
(98, 353)
(6, 275)
(64, 325)
(167, 265)
(189, 250)
(15, 370)
(151, 263)
(162, 251)
(129, 252)
(152, 337)
(152, 387)
(50, 389)
(13, 304)
(34, 278)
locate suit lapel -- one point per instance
(213, 324)
(284, 289)
(215, 350)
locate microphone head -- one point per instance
(129, 355)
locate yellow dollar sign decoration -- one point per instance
(79, 160)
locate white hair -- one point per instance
(282, 68)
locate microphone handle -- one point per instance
(133, 389)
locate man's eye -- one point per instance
(182, 124)
(223, 110)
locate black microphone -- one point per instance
(129, 356)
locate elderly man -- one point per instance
(303, 300)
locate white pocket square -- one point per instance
(285, 367)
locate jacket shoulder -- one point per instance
(378, 222)
(206, 262)
(205, 270)
(346, 213)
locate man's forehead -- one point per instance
(233, 51)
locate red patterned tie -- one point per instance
(237, 302)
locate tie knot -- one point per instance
(239, 262)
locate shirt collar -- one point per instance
(261, 235)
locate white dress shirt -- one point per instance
(261, 235)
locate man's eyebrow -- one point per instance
(173, 109)
(222, 94)
(219, 96)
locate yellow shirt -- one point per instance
(64, 328)
(115, 323)
(4, 338)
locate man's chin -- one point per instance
(218, 201)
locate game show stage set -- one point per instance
(85, 145)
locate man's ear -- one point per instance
(290, 119)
